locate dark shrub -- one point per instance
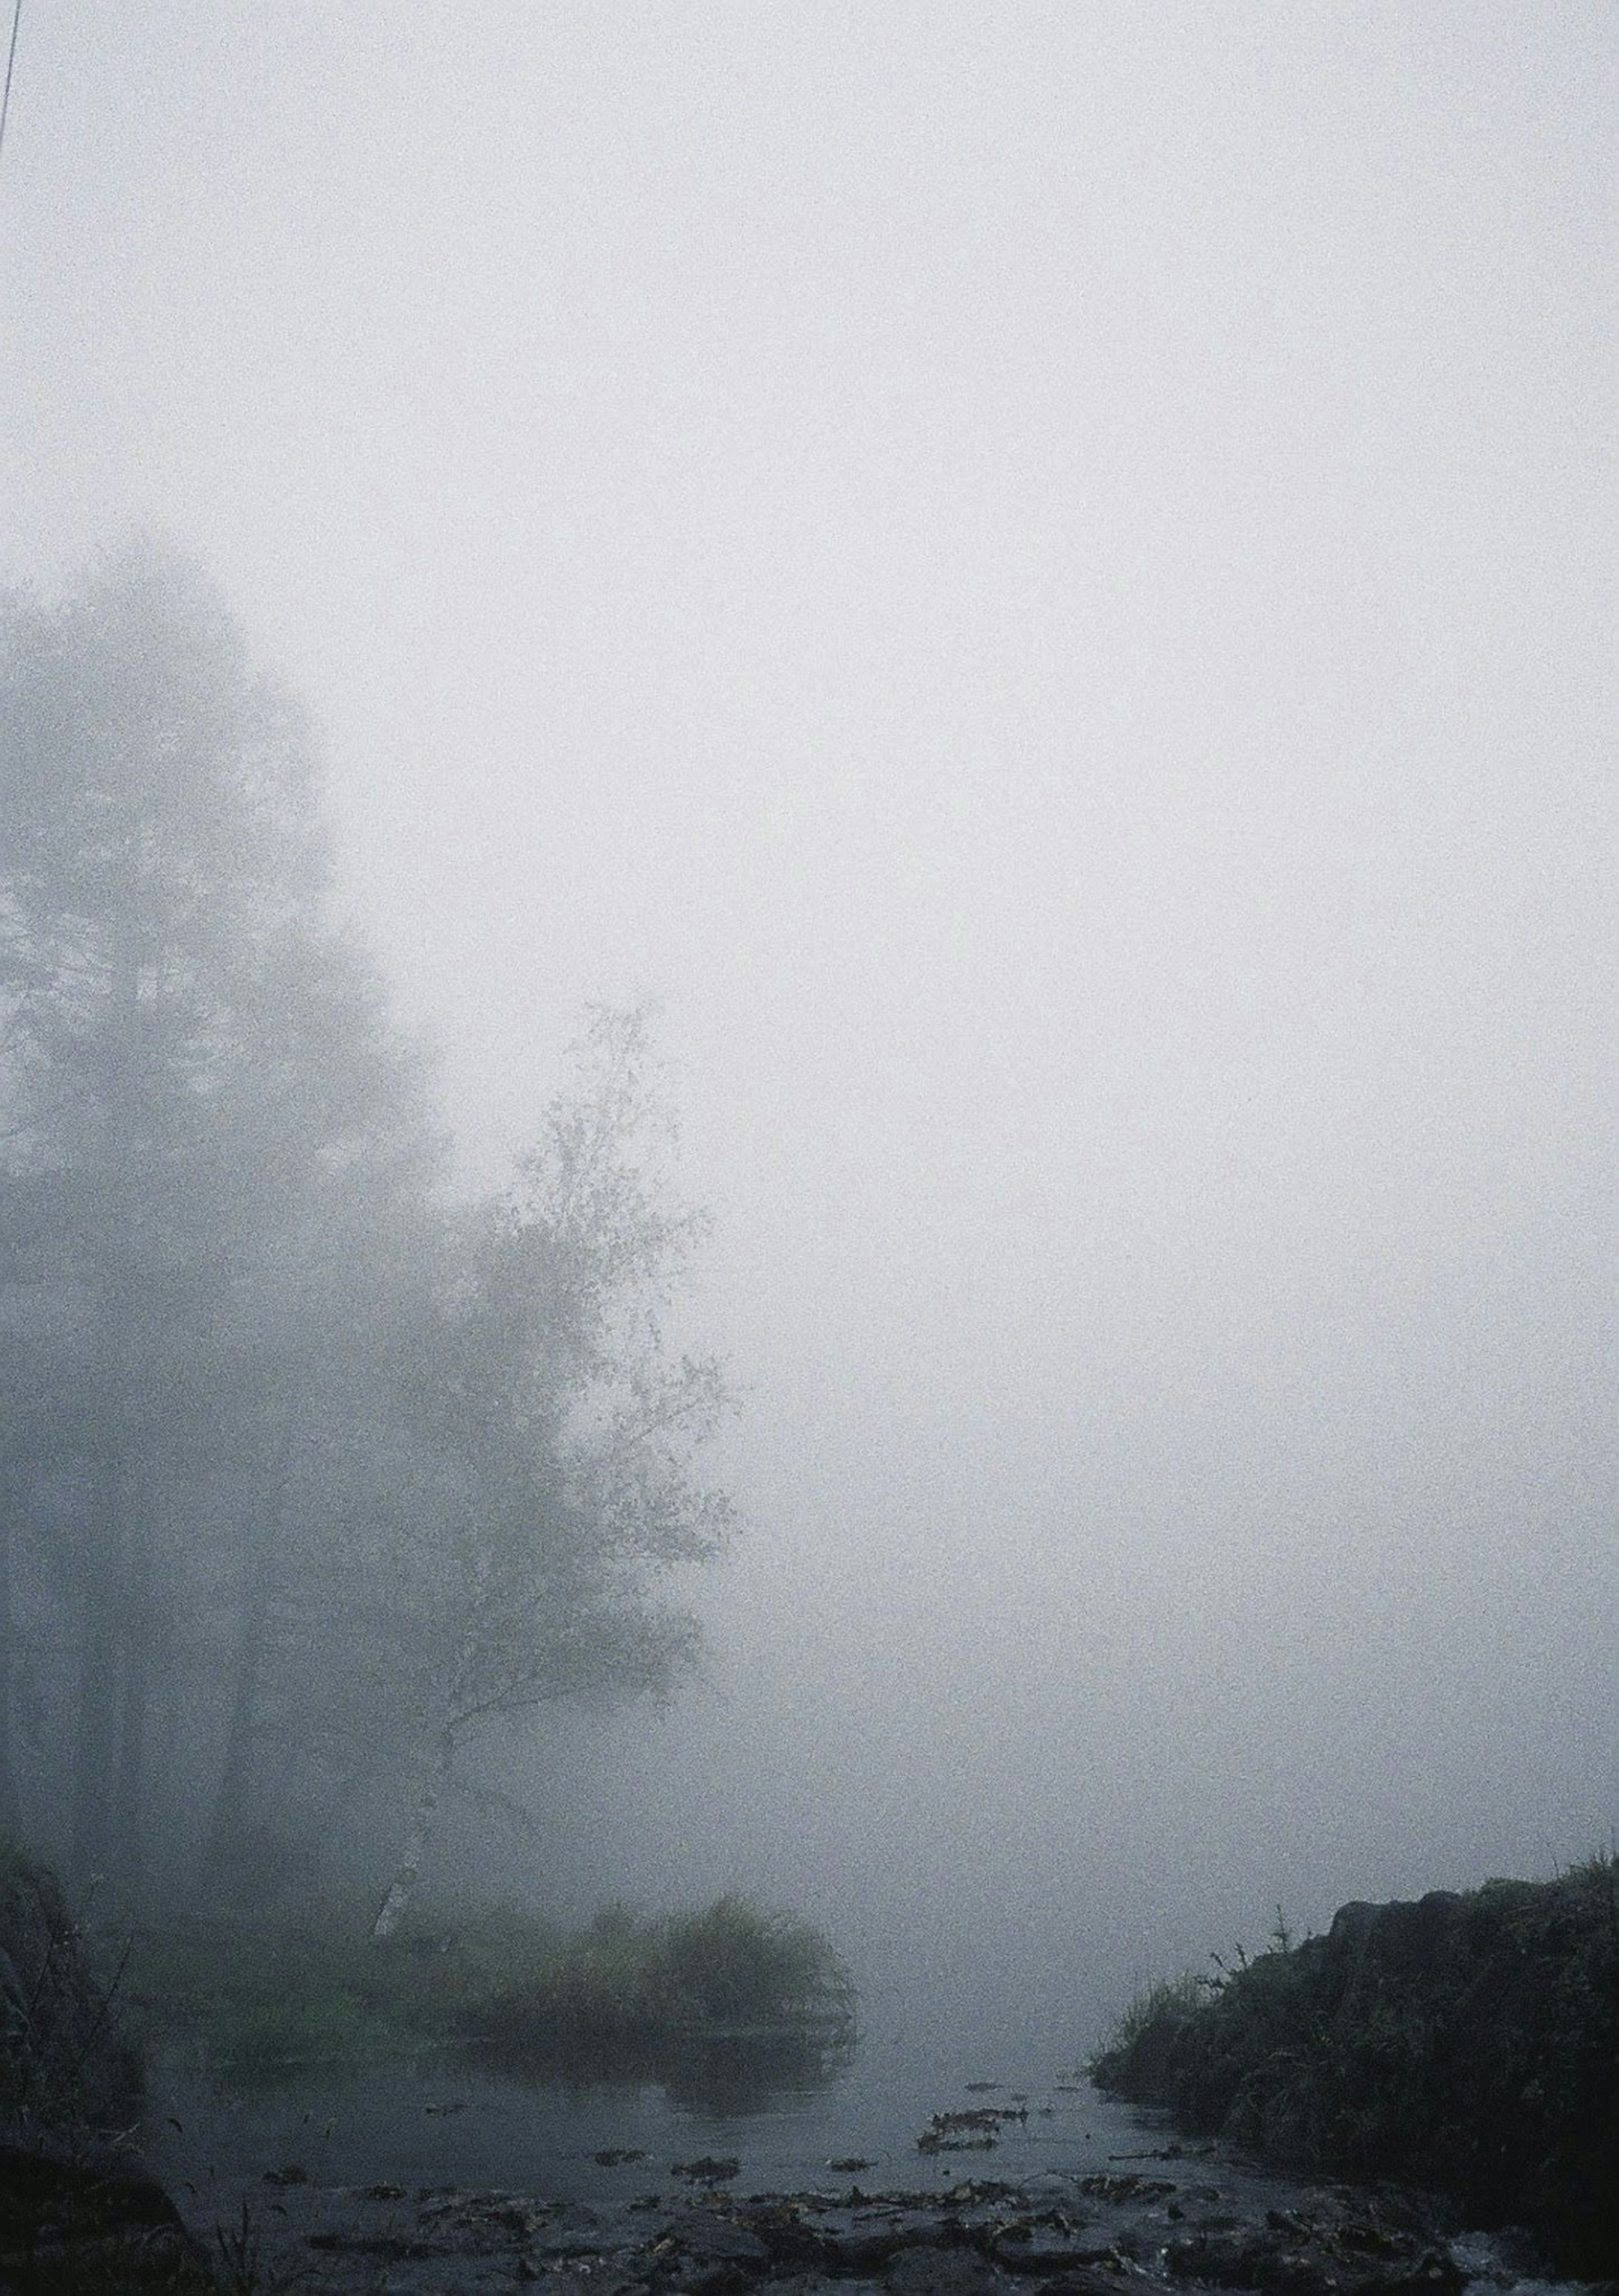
(1469, 2042)
(65, 2068)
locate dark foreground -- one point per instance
(1083, 2237)
(1468, 2041)
(1472, 2023)
(1171, 2220)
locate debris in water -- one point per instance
(712, 2169)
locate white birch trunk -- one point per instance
(424, 1818)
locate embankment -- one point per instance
(80, 2215)
(1468, 2042)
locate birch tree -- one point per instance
(564, 1430)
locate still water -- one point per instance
(794, 2123)
(450, 2118)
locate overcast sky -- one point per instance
(1042, 577)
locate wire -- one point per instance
(11, 60)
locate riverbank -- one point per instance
(887, 2178)
(909, 2165)
(1466, 2042)
(969, 2214)
(929, 2174)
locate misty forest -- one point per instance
(312, 1477)
(807, 1148)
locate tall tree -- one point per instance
(188, 1056)
(304, 1465)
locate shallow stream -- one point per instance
(336, 2143)
(447, 2118)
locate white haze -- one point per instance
(1041, 576)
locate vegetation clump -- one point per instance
(1468, 2042)
(273, 1996)
(732, 1969)
(66, 2068)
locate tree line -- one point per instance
(313, 1475)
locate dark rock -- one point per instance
(716, 2238)
(943, 2272)
(868, 2239)
(1047, 2249)
(817, 2284)
(587, 2280)
(1352, 1924)
(1323, 2247)
(1113, 2189)
(565, 2229)
(784, 2225)
(1221, 2260)
(712, 2169)
(90, 2222)
(387, 2247)
(1411, 1937)
(1111, 2275)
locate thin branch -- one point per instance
(489, 1798)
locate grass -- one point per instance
(65, 2065)
(1469, 2042)
(732, 1969)
(1156, 2006)
(301, 1987)
(271, 1998)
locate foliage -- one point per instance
(272, 1995)
(1468, 2042)
(66, 2067)
(200, 1095)
(301, 1987)
(1165, 1999)
(736, 1965)
(310, 1478)
(732, 1966)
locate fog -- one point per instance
(1039, 578)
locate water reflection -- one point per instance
(713, 2077)
(610, 2129)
